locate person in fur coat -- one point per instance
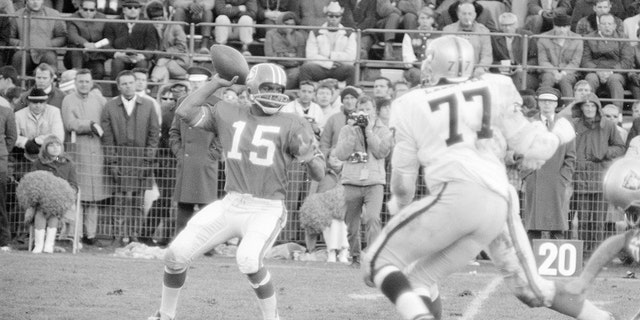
(51, 159)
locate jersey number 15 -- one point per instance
(258, 141)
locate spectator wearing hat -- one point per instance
(87, 34)
(173, 41)
(195, 11)
(240, 12)
(131, 36)
(540, 14)
(548, 189)
(560, 54)
(607, 55)
(42, 33)
(8, 135)
(331, 53)
(81, 112)
(508, 49)
(67, 81)
(597, 144)
(131, 136)
(466, 13)
(33, 125)
(197, 77)
(286, 42)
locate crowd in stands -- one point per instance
(121, 145)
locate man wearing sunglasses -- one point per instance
(86, 34)
(130, 36)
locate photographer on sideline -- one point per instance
(363, 144)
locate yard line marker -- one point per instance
(475, 306)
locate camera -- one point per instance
(358, 157)
(361, 119)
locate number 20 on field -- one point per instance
(558, 258)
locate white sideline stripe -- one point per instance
(476, 304)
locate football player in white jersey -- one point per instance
(621, 189)
(450, 128)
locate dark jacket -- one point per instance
(142, 37)
(130, 142)
(501, 51)
(607, 54)
(81, 32)
(597, 144)
(8, 136)
(62, 167)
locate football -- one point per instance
(229, 62)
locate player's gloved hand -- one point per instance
(564, 130)
(96, 129)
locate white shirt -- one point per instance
(128, 104)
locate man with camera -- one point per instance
(363, 144)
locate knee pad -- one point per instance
(247, 264)
(175, 263)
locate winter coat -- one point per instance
(130, 142)
(546, 196)
(588, 25)
(481, 42)
(30, 127)
(500, 49)
(42, 32)
(552, 54)
(319, 46)
(77, 115)
(142, 37)
(277, 44)
(605, 54)
(198, 152)
(81, 32)
(62, 167)
(8, 136)
(351, 140)
(597, 144)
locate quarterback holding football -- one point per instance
(259, 143)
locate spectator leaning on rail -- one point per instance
(331, 52)
(42, 33)
(606, 53)
(87, 34)
(363, 145)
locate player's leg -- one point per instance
(208, 228)
(262, 222)
(511, 252)
(425, 231)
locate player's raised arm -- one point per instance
(190, 109)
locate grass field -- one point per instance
(99, 286)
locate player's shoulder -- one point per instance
(494, 79)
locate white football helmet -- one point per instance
(622, 187)
(266, 83)
(449, 57)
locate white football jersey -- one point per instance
(445, 128)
